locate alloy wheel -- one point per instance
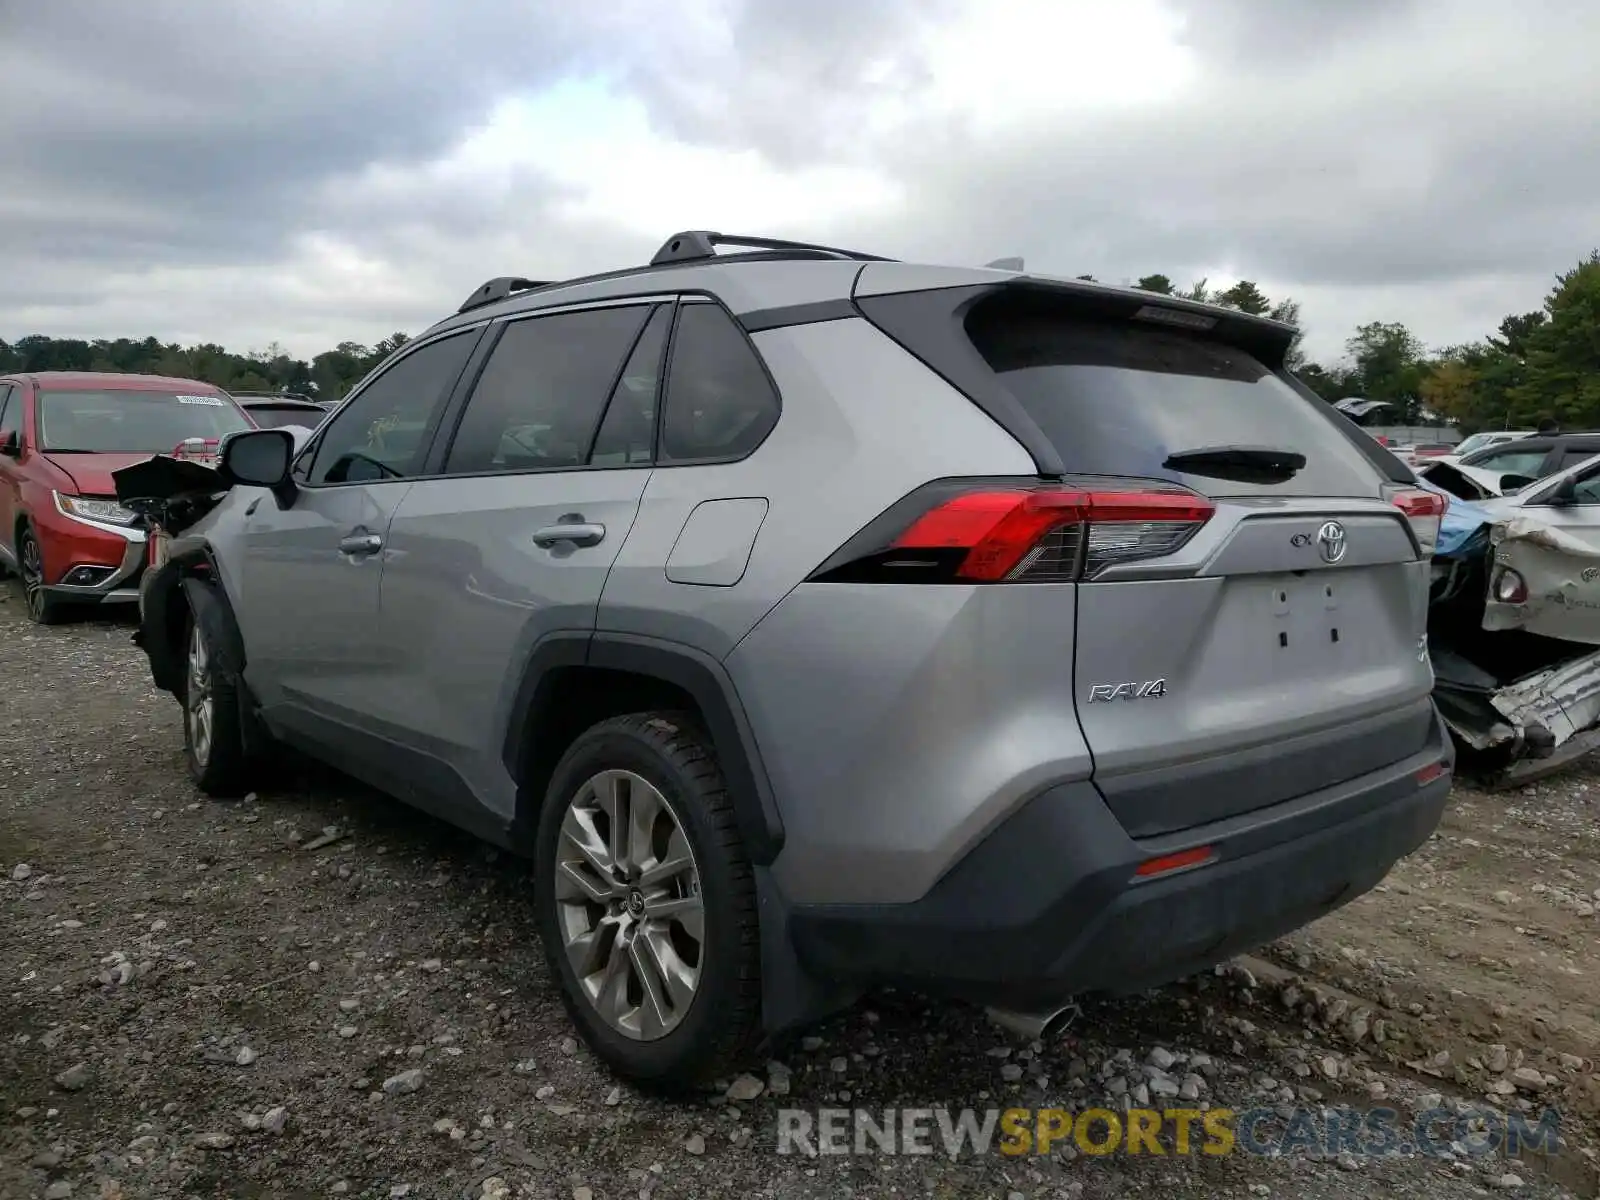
(31, 568)
(627, 892)
(198, 699)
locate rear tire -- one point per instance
(213, 741)
(652, 936)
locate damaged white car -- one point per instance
(1514, 625)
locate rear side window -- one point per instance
(720, 404)
(627, 436)
(10, 411)
(1118, 398)
(540, 397)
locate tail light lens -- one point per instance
(1425, 510)
(1510, 587)
(1014, 532)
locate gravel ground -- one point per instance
(318, 992)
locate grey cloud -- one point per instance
(212, 122)
(1271, 30)
(793, 80)
(1479, 163)
(1435, 155)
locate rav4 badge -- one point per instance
(1149, 689)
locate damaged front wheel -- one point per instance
(212, 738)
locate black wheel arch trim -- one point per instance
(696, 673)
(175, 579)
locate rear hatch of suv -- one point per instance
(1251, 576)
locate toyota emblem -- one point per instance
(1330, 542)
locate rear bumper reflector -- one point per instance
(1166, 864)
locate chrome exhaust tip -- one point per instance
(1035, 1026)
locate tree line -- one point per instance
(1534, 365)
(327, 376)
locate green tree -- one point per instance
(1563, 352)
(1331, 383)
(1514, 333)
(1159, 284)
(1388, 361)
(1246, 297)
(1453, 389)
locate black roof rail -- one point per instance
(498, 289)
(694, 244)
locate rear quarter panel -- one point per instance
(863, 423)
(874, 709)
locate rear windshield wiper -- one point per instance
(1242, 464)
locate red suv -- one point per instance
(61, 435)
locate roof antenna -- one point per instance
(1004, 264)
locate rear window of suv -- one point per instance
(1117, 398)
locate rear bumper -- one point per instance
(1048, 905)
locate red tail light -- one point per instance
(1012, 532)
(1425, 510)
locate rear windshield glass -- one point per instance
(276, 417)
(133, 422)
(1118, 399)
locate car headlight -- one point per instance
(107, 512)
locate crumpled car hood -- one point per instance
(163, 477)
(170, 492)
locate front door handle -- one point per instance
(576, 534)
(359, 545)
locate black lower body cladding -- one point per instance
(1049, 906)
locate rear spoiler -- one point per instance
(1265, 338)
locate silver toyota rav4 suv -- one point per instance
(818, 622)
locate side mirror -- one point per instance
(258, 458)
(1515, 483)
(11, 444)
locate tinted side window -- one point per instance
(384, 431)
(720, 403)
(627, 436)
(539, 398)
(10, 411)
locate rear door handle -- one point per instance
(577, 534)
(360, 545)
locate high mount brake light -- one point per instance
(1019, 533)
(1425, 511)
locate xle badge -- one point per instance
(1150, 689)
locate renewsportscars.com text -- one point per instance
(1315, 1132)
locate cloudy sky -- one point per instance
(311, 171)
